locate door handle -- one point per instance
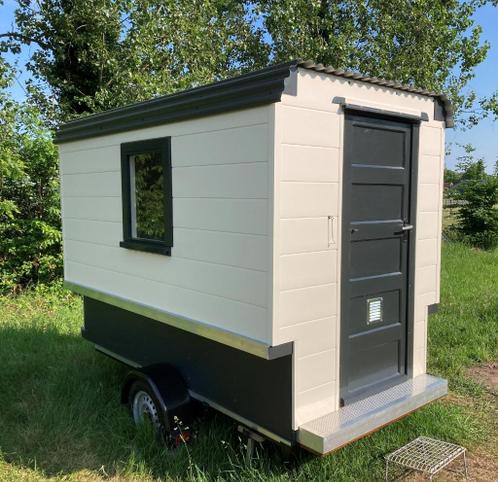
(330, 231)
(407, 227)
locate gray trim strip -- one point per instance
(372, 110)
(117, 357)
(224, 337)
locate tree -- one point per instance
(97, 54)
(77, 42)
(30, 238)
(432, 44)
(174, 45)
(478, 195)
(451, 177)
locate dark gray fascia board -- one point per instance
(261, 87)
(256, 88)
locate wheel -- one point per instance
(144, 406)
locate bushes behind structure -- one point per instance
(477, 195)
(30, 228)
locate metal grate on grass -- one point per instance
(426, 455)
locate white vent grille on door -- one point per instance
(374, 310)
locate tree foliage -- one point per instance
(30, 238)
(451, 177)
(477, 192)
(173, 45)
(97, 54)
(432, 44)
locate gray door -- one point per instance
(376, 253)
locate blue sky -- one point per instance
(484, 137)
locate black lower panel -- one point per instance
(254, 388)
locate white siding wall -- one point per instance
(218, 272)
(429, 223)
(308, 173)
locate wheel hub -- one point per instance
(145, 409)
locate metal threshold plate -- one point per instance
(354, 421)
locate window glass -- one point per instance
(147, 196)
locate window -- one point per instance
(147, 200)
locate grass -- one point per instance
(465, 331)
(60, 416)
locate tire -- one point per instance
(145, 407)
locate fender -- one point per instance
(170, 390)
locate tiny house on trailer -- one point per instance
(268, 245)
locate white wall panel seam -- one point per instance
(293, 181)
(100, 196)
(310, 146)
(83, 173)
(304, 253)
(216, 197)
(218, 164)
(196, 260)
(307, 287)
(302, 323)
(315, 354)
(321, 216)
(72, 218)
(316, 387)
(333, 111)
(116, 143)
(164, 284)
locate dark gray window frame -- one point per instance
(163, 146)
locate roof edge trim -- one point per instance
(256, 88)
(253, 89)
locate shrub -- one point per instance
(30, 231)
(478, 195)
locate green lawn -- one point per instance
(60, 416)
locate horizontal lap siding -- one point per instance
(428, 247)
(219, 267)
(239, 284)
(213, 310)
(305, 266)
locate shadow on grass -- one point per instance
(61, 414)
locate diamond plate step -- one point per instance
(354, 421)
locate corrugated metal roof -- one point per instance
(260, 87)
(446, 104)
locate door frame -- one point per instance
(345, 209)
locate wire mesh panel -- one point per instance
(426, 455)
